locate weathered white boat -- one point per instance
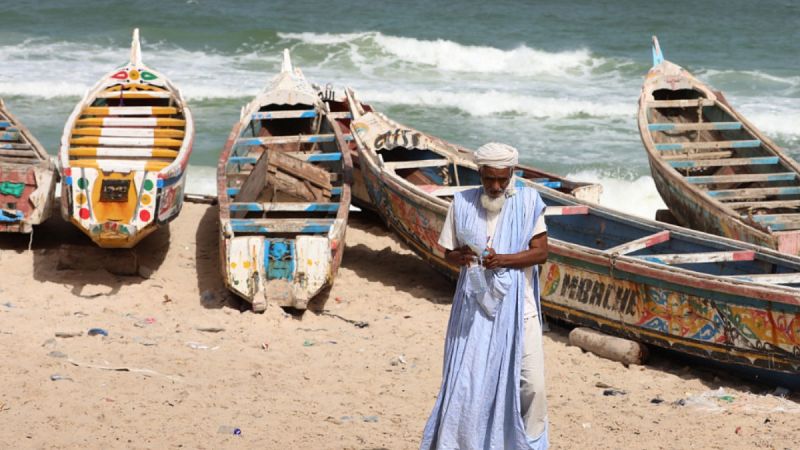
(715, 170)
(124, 154)
(27, 177)
(284, 193)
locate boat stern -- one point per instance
(284, 272)
(115, 209)
(26, 194)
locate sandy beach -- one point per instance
(184, 362)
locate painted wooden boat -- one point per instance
(284, 193)
(124, 154)
(586, 191)
(715, 170)
(27, 177)
(661, 284)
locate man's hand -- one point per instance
(492, 260)
(460, 256)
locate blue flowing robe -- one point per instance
(478, 406)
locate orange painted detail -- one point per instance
(113, 211)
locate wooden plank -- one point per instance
(233, 192)
(761, 160)
(696, 258)
(19, 153)
(292, 114)
(16, 147)
(738, 194)
(638, 244)
(766, 204)
(303, 226)
(134, 94)
(708, 145)
(742, 178)
(694, 126)
(296, 139)
(702, 155)
(131, 122)
(307, 157)
(566, 210)
(688, 103)
(129, 132)
(130, 110)
(119, 165)
(120, 141)
(133, 152)
(396, 165)
(768, 278)
(285, 206)
(773, 218)
(9, 136)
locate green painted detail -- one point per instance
(9, 188)
(83, 183)
(148, 184)
(147, 76)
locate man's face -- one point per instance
(495, 181)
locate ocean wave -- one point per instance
(451, 56)
(494, 102)
(634, 195)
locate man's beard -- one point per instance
(493, 205)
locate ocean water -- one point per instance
(560, 81)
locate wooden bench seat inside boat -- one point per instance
(135, 129)
(13, 146)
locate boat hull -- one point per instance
(749, 326)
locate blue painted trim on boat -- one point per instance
(336, 191)
(665, 147)
(658, 57)
(747, 144)
(710, 179)
(313, 207)
(550, 184)
(162, 183)
(18, 216)
(9, 136)
(5, 124)
(761, 160)
(735, 144)
(240, 226)
(789, 190)
(717, 126)
(242, 160)
(324, 157)
(269, 115)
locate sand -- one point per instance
(312, 380)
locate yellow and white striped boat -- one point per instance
(124, 155)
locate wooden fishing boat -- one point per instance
(284, 193)
(27, 177)
(585, 191)
(715, 170)
(660, 284)
(124, 154)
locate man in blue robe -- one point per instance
(492, 392)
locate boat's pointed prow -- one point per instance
(287, 61)
(136, 49)
(658, 57)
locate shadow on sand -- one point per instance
(55, 237)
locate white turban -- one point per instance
(499, 156)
